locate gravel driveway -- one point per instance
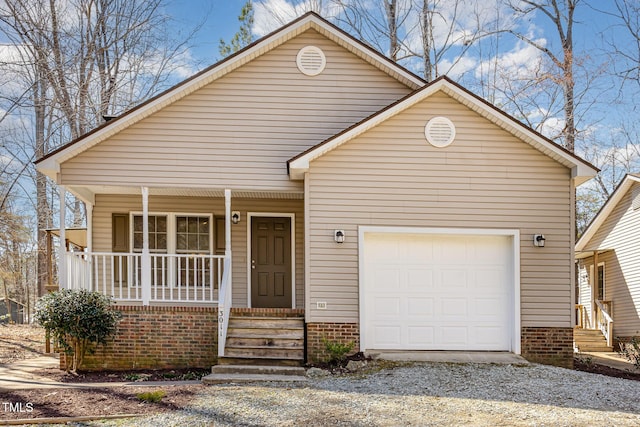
(421, 394)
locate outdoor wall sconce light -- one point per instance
(235, 217)
(339, 236)
(538, 240)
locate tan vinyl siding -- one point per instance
(108, 204)
(390, 176)
(621, 232)
(239, 131)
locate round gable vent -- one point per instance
(440, 132)
(311, 60)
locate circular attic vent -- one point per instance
(440, 132)
(311, 60)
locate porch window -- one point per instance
(193, 236)
(157, 245)
(187, 236)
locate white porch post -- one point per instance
(227, 240)
(89, 249)
(227, 222)
(145, 262)
(62, 259)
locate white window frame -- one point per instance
(172, 236)
(172, 228)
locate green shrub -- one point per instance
(631, 351)
(337, 351)
(151, 396)
(77, 320)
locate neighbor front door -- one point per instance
(270, 262)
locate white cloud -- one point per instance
(269, 15)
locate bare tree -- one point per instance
(82, 60)
(561, 14)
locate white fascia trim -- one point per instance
(602, 216)
(515, 246)
(581, 171)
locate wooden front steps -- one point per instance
(265, 337)
(590, 340)
(262, 345)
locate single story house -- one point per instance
(608, 258)
(310, 179)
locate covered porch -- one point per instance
(180, 248)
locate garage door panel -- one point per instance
(453, 307)
(387, 307)
(454, 337)
(419, 306)
(452, 278)
(387, 279)
(387, 336)
(419, 277)
(420, 335)
(437, 292)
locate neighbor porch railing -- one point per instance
(604, 319)
(174, 277)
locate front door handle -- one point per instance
(253, 263)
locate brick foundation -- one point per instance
(158, 338)
(551, 346)
(339, 332)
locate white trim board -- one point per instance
(292, 216)
(515, 246)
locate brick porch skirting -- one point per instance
(551, 346)
(336, 332)
(158, 338)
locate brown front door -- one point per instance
(270, 262)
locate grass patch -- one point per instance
(151, 396)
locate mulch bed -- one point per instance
(594, 368)
(54, 403)
(125, 376)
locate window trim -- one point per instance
(172, 229)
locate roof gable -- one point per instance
(610, 205)
(50, 164)
(581, 170)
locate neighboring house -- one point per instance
(608, 257)
(309, 178)
(17, 311)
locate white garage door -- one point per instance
(437, 292)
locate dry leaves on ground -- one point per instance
(19, 342)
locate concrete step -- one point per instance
(594, 348)
(258, 370)
(249, 378)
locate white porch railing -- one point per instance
(604, 320)
(174, 277)
(224, 306)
